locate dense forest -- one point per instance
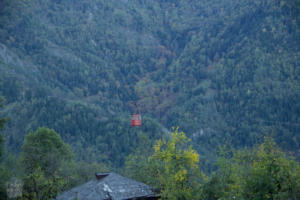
(225, 72)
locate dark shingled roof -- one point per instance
(109, 186)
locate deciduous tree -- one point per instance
(263, 172)
(174, 165)
(44, 148)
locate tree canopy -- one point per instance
(45, 149)
(263, 172)
(173, 168)
(224, 71)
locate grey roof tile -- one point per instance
(109, 186)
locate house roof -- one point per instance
(108, 186)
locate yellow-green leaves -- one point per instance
(176, 167)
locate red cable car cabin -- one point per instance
(136, 120)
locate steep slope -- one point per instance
(224, 71)
(65, 83)
(237, 77)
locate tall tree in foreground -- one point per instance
(174, 166)
(45, 149)
(44, 156)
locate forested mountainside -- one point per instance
(224, 71)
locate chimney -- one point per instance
(100, 176)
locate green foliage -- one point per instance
(45, 158)
(83, 172)
(46, 150)
(272, 175)
(2, 122)
(1, 145)
(224, 71)
(174, 167)
(39, 187)
(5, 175)
(227, 181)
(264, 172)
(137, 164)
(49, 165)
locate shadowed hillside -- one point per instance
(226, 72)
